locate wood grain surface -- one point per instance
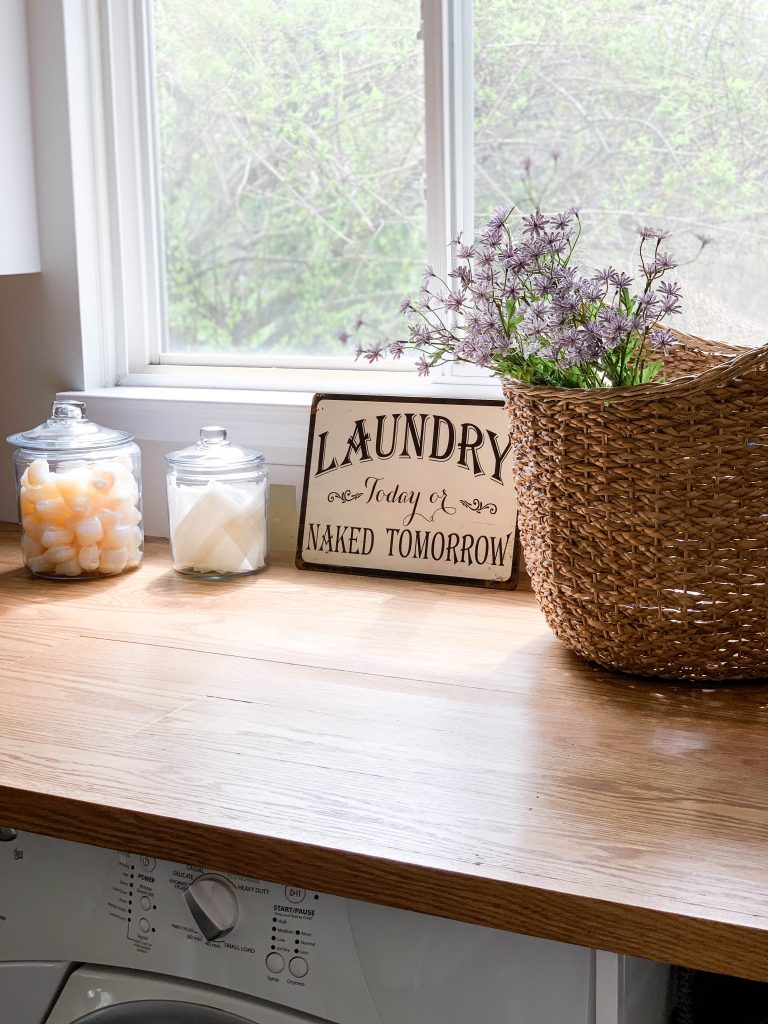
(413, 744)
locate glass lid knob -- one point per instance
(68, 409)
(213, 435)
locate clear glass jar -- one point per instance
(79, 491)
(218, 508)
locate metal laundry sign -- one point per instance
(410, 487)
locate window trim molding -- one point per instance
(93, 236)
(459, 101)
(133, 178)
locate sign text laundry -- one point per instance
(409, 487)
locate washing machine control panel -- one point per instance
(284, 943)
(304, 951)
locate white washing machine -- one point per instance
(110, 937)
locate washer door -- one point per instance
(153, 1011)
(102, 995)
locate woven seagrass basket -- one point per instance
(643, 514)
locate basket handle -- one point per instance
(738, 365)
(692, 383)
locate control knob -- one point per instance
(213, 904)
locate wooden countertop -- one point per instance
(420, 745)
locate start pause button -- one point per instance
(294, 895)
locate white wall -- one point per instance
(40, 349)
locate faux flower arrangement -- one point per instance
(518, 306)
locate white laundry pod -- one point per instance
(89, 530)
(56, 536)
(88, 557)
(113, 560)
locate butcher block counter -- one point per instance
(426, 746)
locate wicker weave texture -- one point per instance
(643, 515)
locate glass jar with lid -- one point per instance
(79, 491)
(218, 507)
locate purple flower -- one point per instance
(556, 242)
(462, 274)
(499, 217)
(490, 321)
(546, 282)
(429, 272)
(343, 337)
(670, 298)
(516, 260)
(705, 240)
(662, 340)
(661, 264)
(396, 349)
(588, 345)
(420, 334)
(604, 277)
(565, 277)
(565, 304)
(485, 257)
(535, 248)
(534, 224)
(612, 327)
(473, 320)
(406, 306)
(423, 366)
(620, 280)
(562, 221)
(636, 324)
(478, 349)
(535, 320)
(426, 298)
(647, 232)
(455, 301)
(466, 252)
(564, 343)
(514, 291)
(483, 293)
(374, 353)
(646, 308)
(589, 290)
(492, 236)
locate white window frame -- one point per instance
(119, 222)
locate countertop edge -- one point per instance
(680, 938)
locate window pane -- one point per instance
(657, 110)
(293, 173)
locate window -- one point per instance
(292, 168)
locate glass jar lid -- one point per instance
(214, 453)
(68, 430)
